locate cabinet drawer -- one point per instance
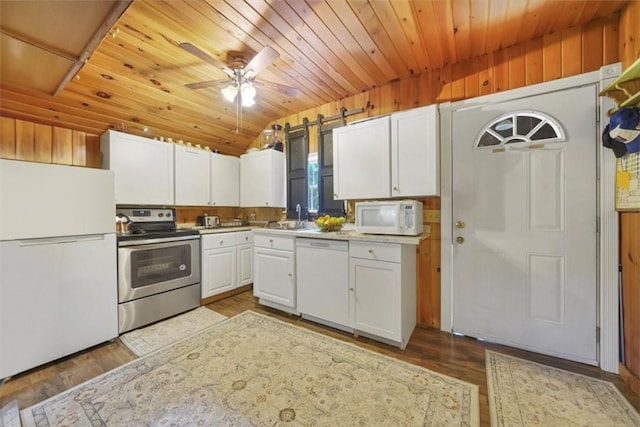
(274, 242)
(376, 251)
(219, 240)
(244, 237)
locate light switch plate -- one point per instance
(431, 216)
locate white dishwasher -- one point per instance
(322, 270)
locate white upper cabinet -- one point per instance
(225, 180)
(142, 167)
(192, 176)
(262, 179)
(361, 160)
(415, 154)
(204, 178)
(390, 156)
(147, 172)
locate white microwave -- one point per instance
(398, 217)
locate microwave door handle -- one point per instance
(408, 219)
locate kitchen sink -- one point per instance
(290, 226)
(275, 225)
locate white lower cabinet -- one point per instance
(383, 279)
(244, 253)
(218, 263)
(365, 287)
(226, 262)
(274, 271)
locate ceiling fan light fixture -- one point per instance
(248, 102)
(248, 94)
(230, 92)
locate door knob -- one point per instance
(460, 224)
(460, 239)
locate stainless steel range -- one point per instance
(158, 268)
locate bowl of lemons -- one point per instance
(330, 223)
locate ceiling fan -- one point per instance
(241, 84)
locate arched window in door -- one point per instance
(522, 128)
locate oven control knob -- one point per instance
(160, 214)
(168, 215)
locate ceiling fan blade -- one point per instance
(208, 83)
(262, 60)
(283, 89)
(206, 57)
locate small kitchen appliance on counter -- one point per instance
(208, 221)
(158, 268)
(395, 217)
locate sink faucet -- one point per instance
(299, 222)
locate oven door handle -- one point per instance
(158, 240)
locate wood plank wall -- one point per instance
(573, 51)
(23, 140)
(630, 34)
(189, 214)
(630, 261)
(563, 54)
(630, 224)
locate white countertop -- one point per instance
(313, 233)
(216, 230)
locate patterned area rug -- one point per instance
(255, 370)
(524, 393)
(146, 340)
(10, 415)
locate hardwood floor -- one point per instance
(459, 357)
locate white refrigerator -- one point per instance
(58, 292)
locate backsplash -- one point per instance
(189, 214)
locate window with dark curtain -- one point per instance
(310, 176)
(297, 150)
(326, 204)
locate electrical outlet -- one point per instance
(431, 216)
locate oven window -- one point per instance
(153, 266)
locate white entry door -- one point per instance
(524, 215)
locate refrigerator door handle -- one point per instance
(59, 240)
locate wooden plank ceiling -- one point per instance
(329, 50)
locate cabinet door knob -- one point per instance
(246, 237)
(290, 274)
(371, 251)
(335, 194)
(351, 289)
(395, 188)
(221, 242)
